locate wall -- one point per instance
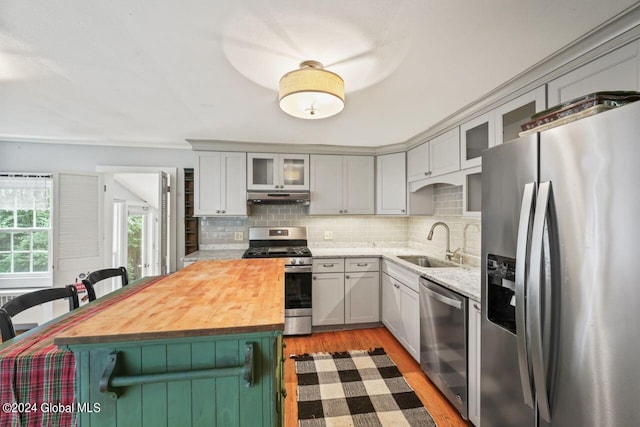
(50, 157)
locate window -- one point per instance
(25, 227)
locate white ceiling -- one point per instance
(139, 73)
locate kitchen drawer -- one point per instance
(362, 264)
(329, 265)
(408, 278)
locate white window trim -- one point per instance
(32, 279)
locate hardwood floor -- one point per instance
(363, 339)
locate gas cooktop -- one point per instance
(277, 252)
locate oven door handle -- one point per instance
(297, 269)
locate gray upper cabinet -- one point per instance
(511, 115)
(342, 185)
(418, 162)
(266, 171)
(444, 153)
(617, 70)
(391, 184)
(220, 184)
(436, 157)
(475, 135)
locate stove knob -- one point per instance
(294, 261)
(301, 261)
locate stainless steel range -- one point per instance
(289, 243)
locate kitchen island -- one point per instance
(202, 346)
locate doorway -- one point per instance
(140, 218)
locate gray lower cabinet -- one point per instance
(361, 297)
(401, 306)
(345, 291)
(327, 294)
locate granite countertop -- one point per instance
(205, 298)
(464, 280)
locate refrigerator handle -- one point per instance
(520, 291)
(534, 303)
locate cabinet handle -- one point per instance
(347, 277)
(426, 174)
(396, 286)
(402, 210)
(476, 306)
(218, 211)
(328, 265)
(284, 393)
(362, 264)
(345, 211)
(315, 278)
(223, 211)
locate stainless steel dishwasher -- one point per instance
(443, 341)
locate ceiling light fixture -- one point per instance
(311, 92)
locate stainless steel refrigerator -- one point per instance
(561, 276)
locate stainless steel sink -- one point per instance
(425, 261)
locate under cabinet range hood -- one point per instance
(278, 198)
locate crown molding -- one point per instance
(252, 147)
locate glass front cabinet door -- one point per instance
(475, 136)
(267, 171)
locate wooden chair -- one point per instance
(31, 299)
(100, 275)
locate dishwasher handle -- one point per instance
(443, 298)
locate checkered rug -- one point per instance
(355, 388)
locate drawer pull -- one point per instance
(328, 265)
(362, 264)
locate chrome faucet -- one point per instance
(448, 252)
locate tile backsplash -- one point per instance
(355, 230)
(447, 200)
(358, 230)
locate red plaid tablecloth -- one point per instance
(35, 374)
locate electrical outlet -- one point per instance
(328, 235)
(238, 235)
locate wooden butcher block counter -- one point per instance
(206, 298)
(201, 347)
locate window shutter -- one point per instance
(77, 225)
